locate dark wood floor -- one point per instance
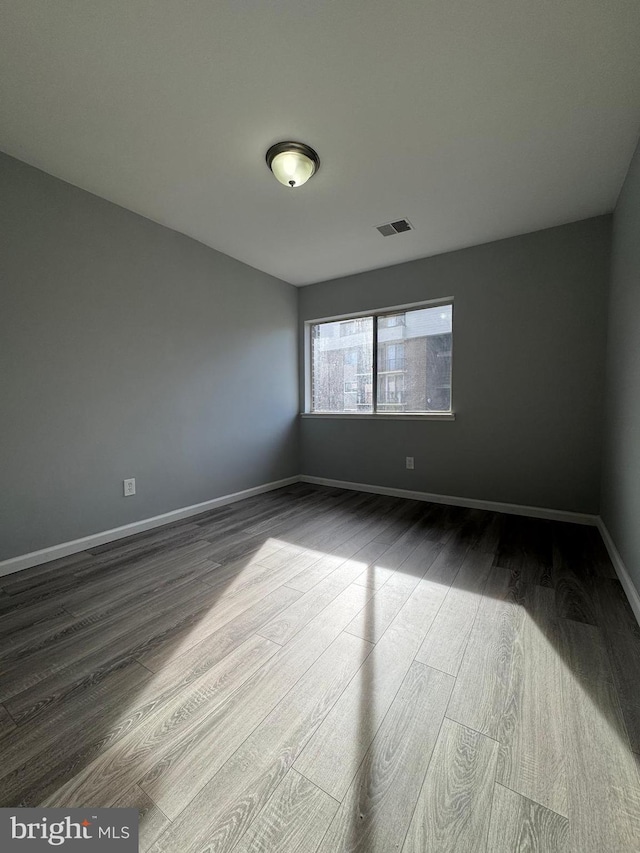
(323, 670)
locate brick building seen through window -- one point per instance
(413, 363)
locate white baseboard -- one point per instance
(512, 509)
(471, 503)
(35, 558)
(621, 570)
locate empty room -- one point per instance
(320, 426)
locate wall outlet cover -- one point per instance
(129, 487)
(410, 462)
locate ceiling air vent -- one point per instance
(397, 227)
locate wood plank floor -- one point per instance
(322, 670)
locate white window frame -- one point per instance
(377, 312)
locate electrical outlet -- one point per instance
(129, 487)
(410, 463)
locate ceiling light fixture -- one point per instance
(292, 163)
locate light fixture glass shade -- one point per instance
(292, 163)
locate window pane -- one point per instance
(342, 366)
(391, 320)
(414, 360)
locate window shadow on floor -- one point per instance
(127, 644)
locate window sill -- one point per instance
(380, 416)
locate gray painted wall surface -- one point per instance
(528, 373)
(621, 469)
(129, 350)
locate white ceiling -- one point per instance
(475, 119)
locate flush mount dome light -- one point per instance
(293, 163)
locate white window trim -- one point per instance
(382, 416)
(376, 312)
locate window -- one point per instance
(351, 327)
(412, 354)
(342, 366)
(390, 356)
(389, 320)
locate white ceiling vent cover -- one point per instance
(397, 227)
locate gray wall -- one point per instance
(528, 373)
(128, 350)
(621, 469)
